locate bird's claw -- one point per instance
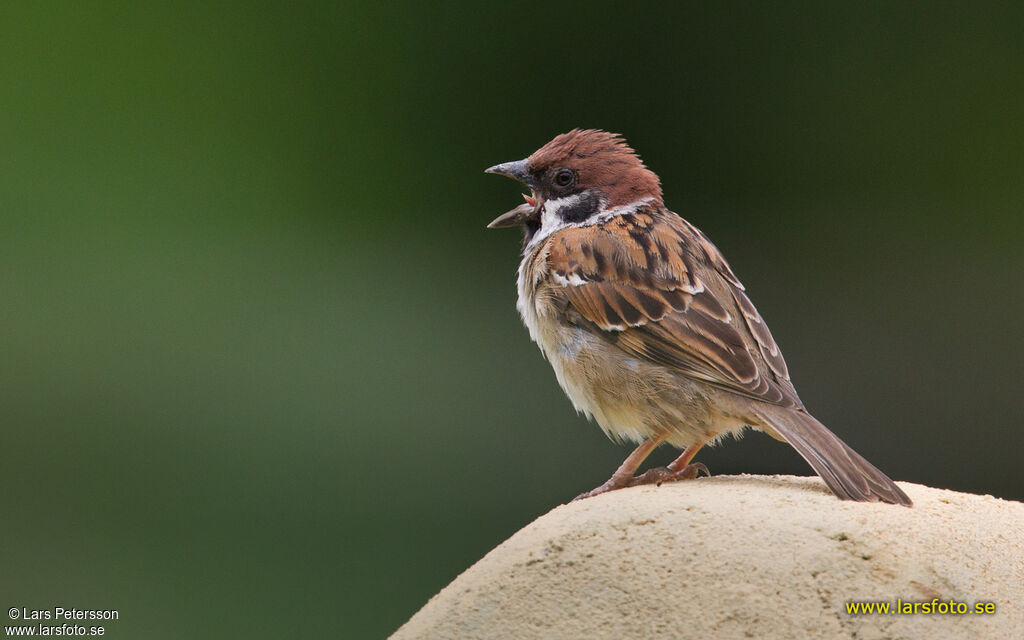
(656, 476)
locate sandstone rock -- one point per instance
(742, 557)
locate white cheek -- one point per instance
(551, 221)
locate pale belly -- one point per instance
(630, 399)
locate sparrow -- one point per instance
(647, 328)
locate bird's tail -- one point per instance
(846, 473)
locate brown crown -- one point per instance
(603, 161)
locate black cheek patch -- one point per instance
(587, 205)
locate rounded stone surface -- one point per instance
(742, 557)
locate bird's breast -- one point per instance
(631, 399)
(600, 384)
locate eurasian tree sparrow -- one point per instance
(646, 326)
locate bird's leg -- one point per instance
(623, 476)
(682, 468)
(679, 469)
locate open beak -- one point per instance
(513, 218)
(517, 171)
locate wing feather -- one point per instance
(657, 288)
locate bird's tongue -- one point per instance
(530, 201)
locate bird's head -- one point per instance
(576, 177)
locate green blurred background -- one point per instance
(262, 372)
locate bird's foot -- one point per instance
(611, 484)
(660, 475)
(656, 476)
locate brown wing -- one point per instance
(657, 288)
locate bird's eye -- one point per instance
(564, 177)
